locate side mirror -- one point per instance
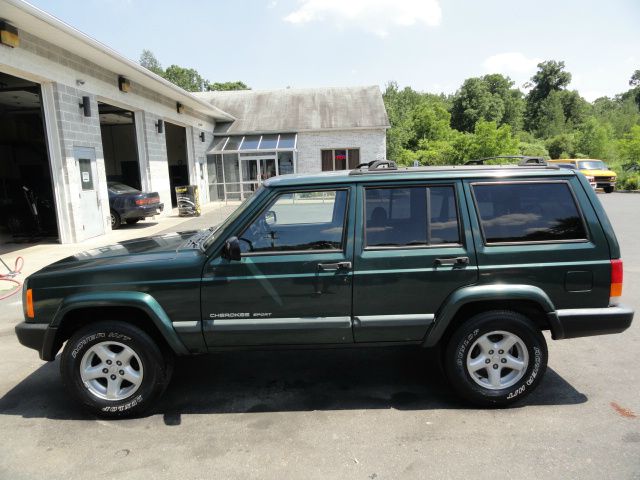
(270, 218)
(231, 249)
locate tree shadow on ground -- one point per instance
(284, 381)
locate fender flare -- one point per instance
(139, 300)
(466, 295)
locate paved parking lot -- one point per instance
(361, 413)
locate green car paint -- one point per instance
(200, 301)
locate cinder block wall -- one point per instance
(371, 142)
(76, 130)
(156, 146)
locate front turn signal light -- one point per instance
(29, 304)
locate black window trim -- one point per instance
(530, 242)
(428, 217)
(345, 222)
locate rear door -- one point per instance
(293, 283)
(412, 251)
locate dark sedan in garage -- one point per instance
(130, 205)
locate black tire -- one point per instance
(156, 368)
(462, 346)
(132, 221)
(115, 220)
(608, 189)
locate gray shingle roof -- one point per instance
(295, 110)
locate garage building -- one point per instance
(75, 114)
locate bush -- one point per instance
(632, 182)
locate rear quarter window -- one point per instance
(528, 212)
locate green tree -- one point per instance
(629, 145)
(226, 86)
(561, 146)
(489, 140)
(187, 78)
(549, 78)
(593, 140)
(474, 102)
(149, 61)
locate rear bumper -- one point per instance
(585, 322)
(38, 336)
(142, 211)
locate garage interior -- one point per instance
(27, 203)
(119, 145)
(176, 138)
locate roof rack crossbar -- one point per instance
(524, 160)
(376, 165)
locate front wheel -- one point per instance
(114, 369)
(496, 358)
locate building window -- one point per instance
(340, 159)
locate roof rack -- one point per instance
(524, 160)
(380, 166)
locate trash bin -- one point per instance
(188, 201)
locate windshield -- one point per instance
(592, 165)
(236, 213)
(121, 188)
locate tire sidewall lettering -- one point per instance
(468, 340)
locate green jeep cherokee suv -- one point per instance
(477, 260)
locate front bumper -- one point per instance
(585, 322)
(39, 336)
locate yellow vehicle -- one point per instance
(591, 168)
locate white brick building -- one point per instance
(75, 114)
(275, 132)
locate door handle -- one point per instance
(326, 267)
(453, 261)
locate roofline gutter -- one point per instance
(101, 47)
(290, 130)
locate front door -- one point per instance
(254, 171)
(293, 283)
(412, 252)
(91, 216)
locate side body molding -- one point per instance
(142, 301)
(478, 293)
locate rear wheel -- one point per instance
(115, 220)
(496, 358)
(114, 369)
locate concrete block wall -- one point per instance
(371, 142)
(158, 167)
(76, 130)
(200, 161)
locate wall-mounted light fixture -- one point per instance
(202, 136)
(9, 35)
(85, 105)
(124, 84)
(159, 126)
(179, 107)
(79, 82)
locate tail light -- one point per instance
(146, 201)
(616, 281)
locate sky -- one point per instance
(429, 45)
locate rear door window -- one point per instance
(411, 216)
(528, 212)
